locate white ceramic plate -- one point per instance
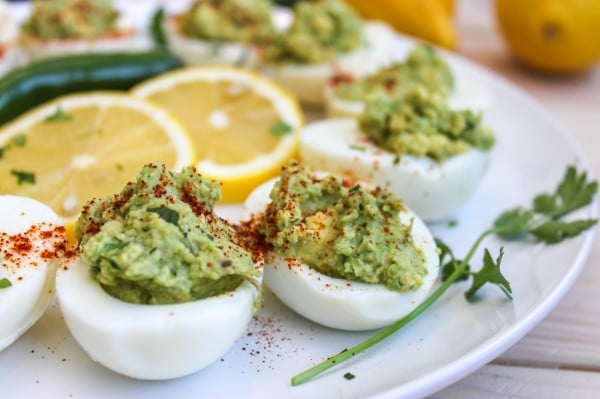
(451, 340)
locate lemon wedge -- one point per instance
(67, 151)
(244, 126)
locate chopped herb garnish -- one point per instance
(58, 115)
(280, 128)
(396, 160)
(20, 140)
(453, 223)
(355, 188)
(23, 176)
(119, 167)
(541, 223)
(166, 214)
(2, 150)
(357, 147)
(5, 283)
(349, 376)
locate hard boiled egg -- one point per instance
(31, 235)
(340, 303)
(433, 190)
(308, 81)
(151, 342)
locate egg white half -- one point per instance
(31, 275)
(308, 81)
(151, 342)
(339, 303)
(434, 191)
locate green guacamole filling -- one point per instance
(320, 31)
(423, 67)
(341, 230)
(159, 242)
(421, 124)
(71, 19)
(244, 21)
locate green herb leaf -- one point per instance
(489, 273)
(166, 214)
(2, 151)
(58, 115)
(553, 232)
(20, 140)
(514, 222)
(448, 267)
(357, 147)
(452, 223)
(573, 192)
(349, 376)
(5, 283)
(280, 128)
(23, 176)
(156, 28)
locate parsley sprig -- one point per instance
(542, 223)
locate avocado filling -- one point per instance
(159, 241)
(71, 19)
(421, 124)
(423, 67)
(342, 230)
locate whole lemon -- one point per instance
(558, 36)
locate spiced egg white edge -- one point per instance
(30, 270)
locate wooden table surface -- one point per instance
(559, 358)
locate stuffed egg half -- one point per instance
(223, 32)
(31, 238)
(62, 27)
(326, 38)
(433, 190)
(341, 302)
(162, 287)
(345, 95)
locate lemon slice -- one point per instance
(244, 126)
(67, 151)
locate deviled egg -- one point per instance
(341, 254)
(326, 38)
(162, 286)
(60, 27)
(31, 239)
(220, 31)
(429, 155)
(345, 95)
(9, 53)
